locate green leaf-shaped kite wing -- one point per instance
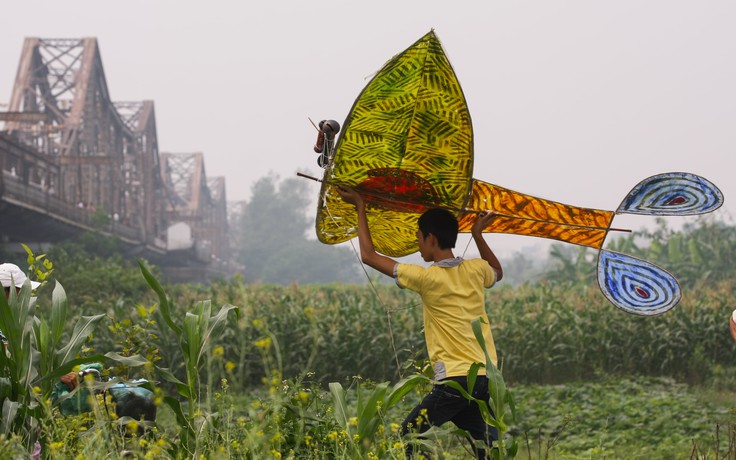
(407, 145)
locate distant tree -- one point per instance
(522, 268)
(702, 252)
(273, 239)
(93, 272)
(571, 263)
(309, 261)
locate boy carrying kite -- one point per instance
(453, 294)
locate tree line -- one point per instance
(275, 243)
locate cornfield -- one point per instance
(251, 380)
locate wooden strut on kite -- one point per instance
(407, 146)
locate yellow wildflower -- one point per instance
(55, 446)
(132, 426)
(158, 398)
(264, 343)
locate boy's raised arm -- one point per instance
(368, 253)
(484, 219)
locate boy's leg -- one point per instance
(439, 406)
(471, 420)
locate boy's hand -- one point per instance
(484, 219)
(349, 195)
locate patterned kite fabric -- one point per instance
(523, 214)
(636, 286)
(393, 232)
(407, 145)
(672, 194)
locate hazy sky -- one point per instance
(574, 101)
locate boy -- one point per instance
(452, 291)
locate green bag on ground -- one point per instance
(132, 401)
(78, 402)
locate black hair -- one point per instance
(442, 224)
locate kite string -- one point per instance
(373, 287)
(380, 301)
(466, 247)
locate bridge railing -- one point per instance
(47, 202)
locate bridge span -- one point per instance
(74, 161)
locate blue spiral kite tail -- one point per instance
(672, 194)
(636, 286)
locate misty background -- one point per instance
(572, 101)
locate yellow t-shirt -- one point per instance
(453, 295)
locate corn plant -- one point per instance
(194, 338)
(362, 424)
(501, 400)
(16, 364)
(33, 358)
(55, 361)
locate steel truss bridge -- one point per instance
(73, 160)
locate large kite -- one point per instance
(407, 146)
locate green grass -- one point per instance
(589, 381)
(647, 418)
(611, 419)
